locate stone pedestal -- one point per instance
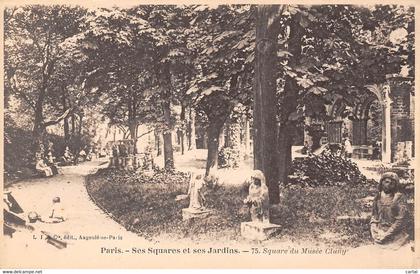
(191, 213)
(129, 162)
(258, 230)
(112, 161)
(136, 163)
(121, 162)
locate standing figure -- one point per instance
(257, 199)
(389, 213)
(50, 151)
(195, 192)
(115, 151)
(122, 147)
(130, 148)
(348, 148)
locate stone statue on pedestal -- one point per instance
(257, 199)
(196, 208)
(195, 192)
(258, 203)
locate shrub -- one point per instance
(328, 168)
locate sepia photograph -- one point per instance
(218, 135)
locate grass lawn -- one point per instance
(147, 206)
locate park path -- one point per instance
(84, 219)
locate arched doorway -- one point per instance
(367, 129)
(334, 127)
(370, 122)
(373, 120)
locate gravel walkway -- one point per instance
(86, 224)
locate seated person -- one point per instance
(56, 213)
(50, 162)
(42, 167)
(50, 157)
(89, 154)
(82, 154)
(389, 213)
(67, 155)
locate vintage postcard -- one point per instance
(209, 135)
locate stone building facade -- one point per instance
(396, 110)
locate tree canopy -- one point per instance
(139, 65)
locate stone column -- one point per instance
(386, 121)
(192, 144)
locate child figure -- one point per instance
(257, 199)
(57, 212)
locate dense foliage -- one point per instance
(159, 64)
(326, 169)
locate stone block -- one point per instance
(181, 197)
(191, 213)
(259, 231)
(113, 162)
(129, 162)
(362, 218)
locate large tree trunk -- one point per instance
(133, 130)
(223, 141)
(80, 124)
(182, 141)
(246, 139)
(158, 143)
(234, 133)
(66, 132)
(213, 133)
(265, 107)
(285, 142)
(233, 140)
(73, 125)
(289, 104)
(66, 121)
(38, 137)
(168, 153)
(181, 131)
(191, 132)
(38, 131)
